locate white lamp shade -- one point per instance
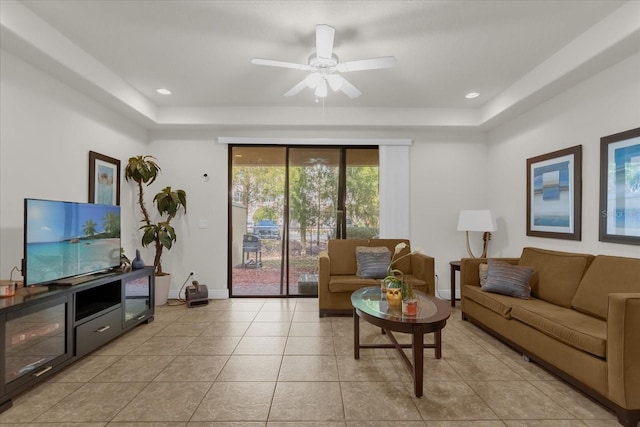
(476, 220)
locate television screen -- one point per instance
(67, 239)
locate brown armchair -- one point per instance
(338, 266)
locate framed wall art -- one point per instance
(104, 179)
(620, 187)
(554, 194)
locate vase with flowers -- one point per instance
(397, 290)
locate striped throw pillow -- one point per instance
(372, 261)
(508, 279)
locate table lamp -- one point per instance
(477, 220)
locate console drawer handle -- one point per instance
(47, 369)
(141, 317)
(104, 328)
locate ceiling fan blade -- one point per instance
(367, 64)
(324, 41)
(335, 81)
(281, 64)
(297, 88)
(348, 89)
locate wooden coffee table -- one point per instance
(431, 317)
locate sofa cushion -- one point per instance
(558, 273)
(507, 279)
(500, 304)
(404, 264)
(372, 262)
(349, 283)
(342, 253)
(606, 275)
(568, 326)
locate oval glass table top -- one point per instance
(371, 301)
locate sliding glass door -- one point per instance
(286, 203)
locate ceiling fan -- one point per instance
(325, 67)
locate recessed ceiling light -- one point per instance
(472, 95)
(163, 91)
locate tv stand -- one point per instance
(46, 328)
(78, 280)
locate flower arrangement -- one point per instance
(395, 277)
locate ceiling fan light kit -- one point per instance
(324, 66)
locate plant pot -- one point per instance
(163, 283)
(410, 307)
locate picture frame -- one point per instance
(104, 179)
(554, 194)
(620, 188)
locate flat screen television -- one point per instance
(64, 240)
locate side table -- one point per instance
(455, 266)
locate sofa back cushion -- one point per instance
(342, 253)
(404, 264)
(558, 274)
(606, 275)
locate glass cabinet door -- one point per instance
(35, 342)
(137, 298)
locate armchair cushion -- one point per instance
(347, 283)
(343, 255)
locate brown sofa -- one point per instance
(582, 321)
(337, 273)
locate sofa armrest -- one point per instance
(324, 270)
(470, 269)
(623, 349)
(423, 268)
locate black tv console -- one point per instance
(45, 328)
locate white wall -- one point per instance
(448, 174)
(202, 233)
(46, 133)
(605, 104)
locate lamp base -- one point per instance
(485, 237)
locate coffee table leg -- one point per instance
(438, 342)
(356, 335)
(418, 362)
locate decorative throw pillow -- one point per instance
(372, 261)
(483, 269)
(508, 279)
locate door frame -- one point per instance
(341, 221)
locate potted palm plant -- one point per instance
(143, 170)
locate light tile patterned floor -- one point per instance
(273, 362)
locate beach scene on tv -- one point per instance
(66, 239)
